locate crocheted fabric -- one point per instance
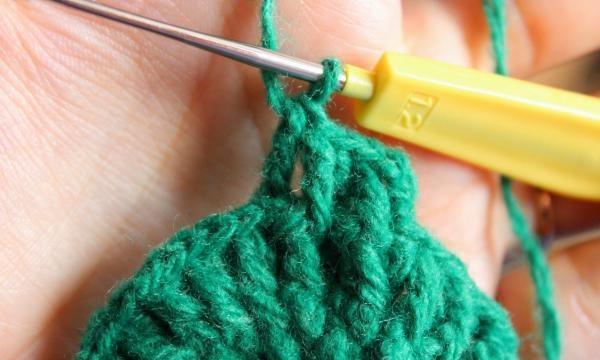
(337, 268)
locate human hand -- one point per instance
(113, 138)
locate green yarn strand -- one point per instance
(495, 12)
(540, 273)
(538, 266)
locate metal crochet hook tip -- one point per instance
(248, 54)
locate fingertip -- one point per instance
(576, 274)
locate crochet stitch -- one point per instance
(335, 269)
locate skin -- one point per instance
(111, 139)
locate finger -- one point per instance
(540, 33)
(576, 273)
(169, 130)
(78, 47)
(98, 120)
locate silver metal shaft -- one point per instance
(249, 54)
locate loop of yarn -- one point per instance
(336, 269)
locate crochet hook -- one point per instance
(546, 137)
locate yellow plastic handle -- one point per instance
(543, 136)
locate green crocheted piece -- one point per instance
(336, 267)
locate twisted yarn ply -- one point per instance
(335, 267)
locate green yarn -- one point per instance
(495, 13)
(538, 266)
(336, 269)
(540, 274)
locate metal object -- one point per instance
(567, 76)
(249, 54)
(587, 67)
